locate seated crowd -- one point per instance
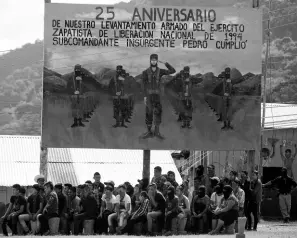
(157, 207)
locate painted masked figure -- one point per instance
(227, 101)
(185, 97)
(152, 89)
(77, 97)
(120, 98)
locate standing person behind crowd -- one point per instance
(62, 205)
(201, 176)
(227, 212)
(245, 185)
(135, 201)
(73, 207)
(88, 209)
(210, 179)
(199, 208)
(98, 189)
(172, 179)
(51, 208)
(108, 206)
(16, 207)
(233, 176)
(185, 186)
(255, 200)
(123, 210)
(157, 178)
(240, 195)
(288, 159)
(172, 209)
(284, 184)
(140, 215)
(34, 207)
(184, 209)
(156, 208)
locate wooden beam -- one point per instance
(251, 162)
(146, 164)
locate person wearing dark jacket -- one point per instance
(62, 206)
(156, 208)
(88, 209)
(16, 207)
(255, 200)
(284, 184)
(172, 209)
(245, 186)
(34, 208)
(140, 215)
(51, 209)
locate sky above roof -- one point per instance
(20, 25)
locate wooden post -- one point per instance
(43, 167)
(264, 87)
(146, 164)
(251, 162)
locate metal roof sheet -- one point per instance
(18, 172)
(19, 149)
(117, 165)
(280, 116)
(62, 173)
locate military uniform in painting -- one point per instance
(151, 82)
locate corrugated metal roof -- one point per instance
(20, 155)
(20, 148)
(117, 165)
(19, 159)
(62, 173)
(280, 116)
(18, 172)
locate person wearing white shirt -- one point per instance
(123, 209)
(215, 202)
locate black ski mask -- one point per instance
(186, 72)
(218, 189)
(171, 192)
(284, 172)
(202, 192)
(227, 73)
(119, 69)
(153, 57)
(77, 70)
(200, 170)
(227, 190)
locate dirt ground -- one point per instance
(265, 230)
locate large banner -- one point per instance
(127, 77)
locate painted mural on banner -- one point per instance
(151, 77)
